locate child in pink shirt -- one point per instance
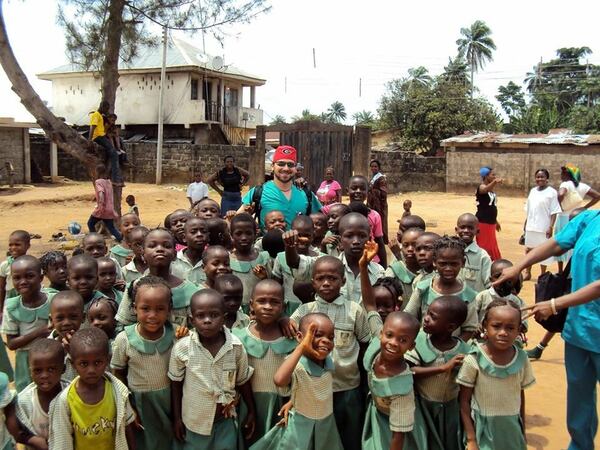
(105, 209)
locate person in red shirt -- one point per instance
(105, 210)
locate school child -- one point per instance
(507, 292)
(18, 245)
(388, 296)
(218, 232)
(424, 251)
(54, 267)
(95, 400)
(102, 314)
(448, 258)
(267, 349)
(406, 269)
(66, 317)
(476, 272)
(406, 206)
(105, 209)
(308, 374)
(303, 226)
(122, 252)
(133, 207)
(135, 268)
(47, 364)
(331, 241)
(232, 290)
(188, 264)
(107, 278)
(206, 369)
(435, 361)
(159, 253)
(140, 359)
(177, 220)
(206, 208)
(25, 316)
(83, 278)
(94, 245)
(319, 221)
(358, 187)
(351, 328)
(9, 424)
(274, 220)
(216, 263)
(247, 263)
(404, 224)
(391, 409)
(492, 379)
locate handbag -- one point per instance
(549, 286)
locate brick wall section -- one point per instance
(517, 166)
(406, 171)
(11, 149)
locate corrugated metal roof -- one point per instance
(563, 137)
(179, 54)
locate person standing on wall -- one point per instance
(487, 212)
(228, 183)
(98, 135)
(281, 193)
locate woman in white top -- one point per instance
(571, 194)
(542, 208)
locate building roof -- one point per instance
(9, 122)
(559, 136)
(180, 54)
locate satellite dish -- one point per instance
(217, 63)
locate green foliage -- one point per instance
(305, 115)
(426, 114)
(476, 46)
(364, 117)
(278, 120)
(564, 93)
(336, 113)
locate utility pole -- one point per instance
(161, 94)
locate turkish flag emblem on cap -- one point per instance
(286, 152)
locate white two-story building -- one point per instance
(204, 99)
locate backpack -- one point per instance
(257, 196)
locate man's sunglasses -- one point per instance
(290, 165)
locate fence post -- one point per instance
(256, 158)
(361, 150)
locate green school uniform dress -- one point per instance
(147, 364)
(311, 425)
(19, 320)
(398, 269)
(5, 365)
(181, 295)
(437, 415)
(121, 254)
(391, 405)
(283, 271)
(6, 397)
(424, 294)
(265, 357)
(243, 270)
(478, 265)
(496, 401)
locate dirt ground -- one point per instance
(48, 209)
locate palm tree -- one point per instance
(456, 71)
(363, 117)
(476, 46)
(337, 112)
(420, 76)
(278, 120)
(305, 115)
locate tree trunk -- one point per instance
(59, 132)
(110, 66)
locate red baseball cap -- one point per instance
(286, 152)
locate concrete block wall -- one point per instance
(407, 171)
(12, 149)
(518, 166)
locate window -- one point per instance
(231, 97)
(194, 89)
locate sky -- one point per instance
(354, 42)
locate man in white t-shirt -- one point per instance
(197, 190)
